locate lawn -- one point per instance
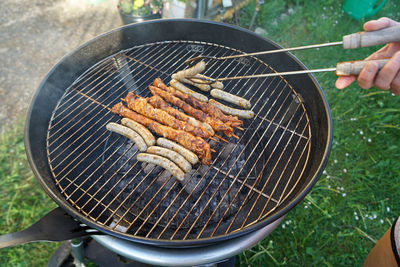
(353, 203)
(356, 200)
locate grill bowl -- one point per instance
(67, 72)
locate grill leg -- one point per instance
(78, 252)
(201, 5)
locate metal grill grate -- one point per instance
(248, 179)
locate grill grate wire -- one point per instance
(247, 181)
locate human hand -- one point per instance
(388, 78)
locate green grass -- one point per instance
(350, 207)
(356, 199)
(22, 201)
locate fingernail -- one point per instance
(339, 85)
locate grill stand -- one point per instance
(110, 251)
(185, 256)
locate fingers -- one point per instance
(344, 81)
(374, 25)
(367, 75)
(385, 52)
(388, 73)
(389, 76)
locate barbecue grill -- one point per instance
(252, 181)
(112, 188)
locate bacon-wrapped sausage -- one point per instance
(157, 102)
(211, 110)
(187, 140)
(216, 124)
(141, 106)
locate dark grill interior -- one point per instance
(249, 178)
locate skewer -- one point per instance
(94, 100)
(213, 58)
(212, 138)
(240, 128)
(351, 41)
(345, 68)
(226, 141)
(122, 99)
(109, 109)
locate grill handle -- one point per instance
(355, 67)
(56, 225)
(364, 39)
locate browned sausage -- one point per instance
(187, 154)
(129, 133)
(190, 72)
(147, 136)
(163, 162)
(247, 114)
(178, 86)
(234, 99)
(172, 155)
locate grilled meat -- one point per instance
(141, 106)
(211, 110)
(187, 140)
(216, 124)
(157, 102)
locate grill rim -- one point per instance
(63, 203)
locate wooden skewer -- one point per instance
(212, 138)
(93, 100)
(240, 128)
(212, 150)
(235, 136)
(226, 141)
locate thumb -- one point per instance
(344, 81)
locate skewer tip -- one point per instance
(237, 137)
(212, 138)
(221, 138)
(240, 128)
(212, 150)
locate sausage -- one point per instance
(147, 136)
(129, 133)
(178, 86)
(172, 155)
(200, 84)
(247, 114)
(190, 72)
(163, 162)
(187, 154)
(216, 84)
(234, 99)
